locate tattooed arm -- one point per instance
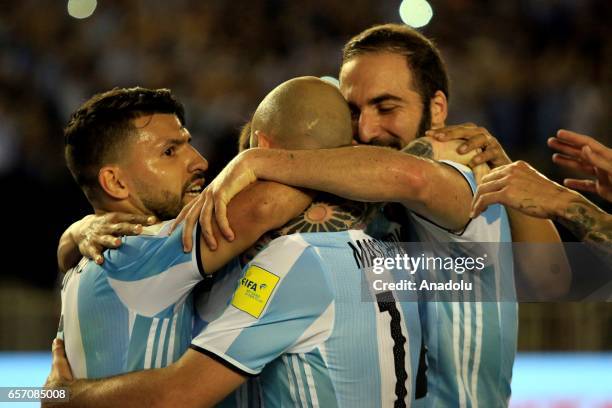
(521, 187)
(436, 150)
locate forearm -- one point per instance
(585, 220)
(148, 388)
(545, 267)
(68, 254)
(371, 174)
(361, 173)
(259, 208)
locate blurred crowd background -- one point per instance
(521, 68)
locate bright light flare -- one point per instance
(415, 13)
(81, 8)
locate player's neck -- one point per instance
(328, 213)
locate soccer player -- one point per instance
(129, 151)
(298, 310)
(396, 85)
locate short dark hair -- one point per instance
(97, 130)
(423, 58)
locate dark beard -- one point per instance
(166, 209)
(425, 123)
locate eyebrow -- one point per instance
(383, 98)
(176, 141)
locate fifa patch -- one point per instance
(254, 290)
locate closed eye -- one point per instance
(170, 151)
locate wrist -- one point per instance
(562, 202)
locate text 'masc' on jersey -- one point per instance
(471, 345)
(297, 318)
(133, 312)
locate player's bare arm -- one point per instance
(523, 188)
(172, 386)
(261, 207)
(549, 281)
(360, 173)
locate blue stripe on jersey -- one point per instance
(326, 394)
(145, 256)
(101, 321)
(138, 343)
(301, 288)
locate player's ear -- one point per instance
(261, 139)
(438, 106)
(112, 182)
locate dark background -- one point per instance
(523, 69)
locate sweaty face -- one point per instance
(165, 172)
(386, 109)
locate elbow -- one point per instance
(413, 185)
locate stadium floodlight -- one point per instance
(415, 13)
(81, 8)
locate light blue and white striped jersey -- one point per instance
(471, 346)
(298, 319)
(133, 312)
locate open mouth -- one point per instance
(195, 188)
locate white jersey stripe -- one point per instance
(310, 380)
(290, 380)
(300, 382)
(161, 343)
(467, 343)
(477, 353)
(456, 320)
(150, 342)
(170, 355)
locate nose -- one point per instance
(368, 126)
(198, 163)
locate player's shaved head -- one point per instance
(304, 113)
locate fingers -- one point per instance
(577, 139)
(484, 200)
(596, 159)
(190, 222)
(60, 369)
(563, 147)
(579, 184)
(464, 131)
(122, 229)
(476, 142)
(572, 164)
(206, 216)
(488, 155)
(117, 217)
(222, 221)
(186, 209)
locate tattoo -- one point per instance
(327, 213)
(528, 204)
(420, 147)
(591, 225)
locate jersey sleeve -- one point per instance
(428, 224)
(279, 306)
(156, 266)
(465, 171)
